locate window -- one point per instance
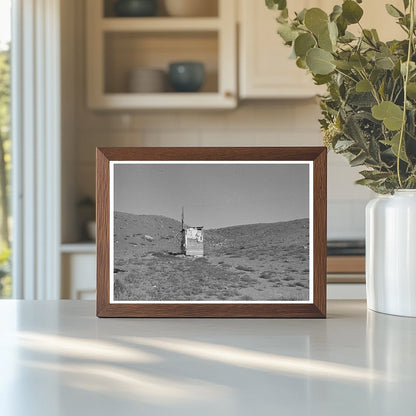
(5, 147)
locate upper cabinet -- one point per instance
(265, 68)
(128, 58)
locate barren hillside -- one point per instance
(246, 262)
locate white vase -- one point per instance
(391, 253)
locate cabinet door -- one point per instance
(78, 276)
(265, 68)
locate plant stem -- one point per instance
(373, 88)
(406, 80)
(346, 75)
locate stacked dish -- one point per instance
(147, 80)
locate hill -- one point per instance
(251, 262)
(145, 233)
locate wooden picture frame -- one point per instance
(111, 302)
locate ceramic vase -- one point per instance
(391, 253)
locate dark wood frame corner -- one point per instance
(317, 309)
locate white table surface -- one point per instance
(57, 358)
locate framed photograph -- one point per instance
(211, 232)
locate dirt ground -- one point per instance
(256, 262)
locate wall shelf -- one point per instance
(81, 247)
(116, 46)
(160, 24)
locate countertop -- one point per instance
(57, 358)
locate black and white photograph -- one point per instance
(210, 232)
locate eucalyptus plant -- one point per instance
(369, 111)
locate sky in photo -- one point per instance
(214, 195)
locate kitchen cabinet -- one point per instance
(118, 45)
(78, 271)
(265, 70)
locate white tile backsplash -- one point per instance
(346, 219)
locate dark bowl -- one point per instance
(186, 76)
(135, 8)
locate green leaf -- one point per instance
(344, 65)
(363, 86)
(374, 150)
(393, 11)
(303, 43)
(342, 25)
(412, 67)
(351, 11)
(316, 20)
(321, 79)
(375, 35)
(276, 4)
(396, 70)
(287, 33)
(358, 160)
(368, 36)
(391, 114)
(362, 99)
(394, 145)
(374, 174)
(336, 12)
(301, 63)
(411, 90)
(384, 62)
(320, 61)
(301, 15)
(347, 37)
(365, 182)
(325, 42)
(333, 32)
(354, 132)
(382, 89)
(343, 145)
(282, 20)
(358, 61)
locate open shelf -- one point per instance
(160, 24)
(127, 51)
(167, 100)
(210, 7)
(119, 45)
(87, 247)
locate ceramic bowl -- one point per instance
(191, 8)
(186, 76)
(135, 8)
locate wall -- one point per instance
(256, 123)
